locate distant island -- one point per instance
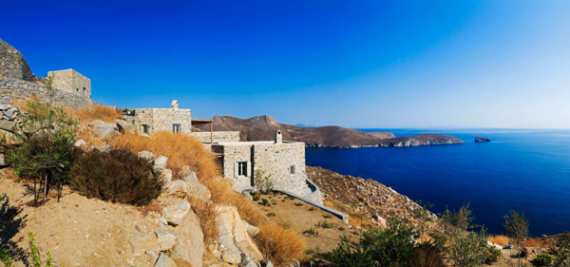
(482, 139)
(263, 127)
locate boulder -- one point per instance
(125, 127)
(189, 246)
(175, 212)
(146, 155)
(164, 261)
(4, 107)
(104, 129)
(196, 188)
(233, 236)
(160, 164)
(80, 143)
(2, 161)
(178, 188)
(166, 178)
(11, 112)
(166, 238)
(266, 263)
(251, 230)
(141, 242)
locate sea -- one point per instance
(523, 170)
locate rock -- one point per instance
(251, 230)
(266, 263)
(379, 219)
(166, 238)
(11, 112)
(141, 242)
(152, 254)
(80, 143)
(175, 213)
(125, 127)
(160, 164)
(233, 236)
(104, 129)
(196, 188)
(164, 261)
(166, 178)
(178, 188)
(189, 246)
(146, 155)
(482, 139)
(246, 261)
(4, 107)
(105, 148)
(2, 161)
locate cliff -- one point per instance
(420, 140)
(263, 128)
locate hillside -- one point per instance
(263, 127)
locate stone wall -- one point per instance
(13, 64)
(276, 161)
(72, 82)
(13, 89)
(269, 159)
(229, 136)
(160, 119)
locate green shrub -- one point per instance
(117, 176)
(347, 256)
(255, 198)
(311, 231)
(493, 255)
(298, 204)
(271, 214)
(325, 224)
(265, 202)
(544, 259)
(326, 216)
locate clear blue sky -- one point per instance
(352, 63)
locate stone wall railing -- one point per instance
(229, 136)
(12, 89)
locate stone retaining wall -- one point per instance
(12, 89)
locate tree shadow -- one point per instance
(10, 225)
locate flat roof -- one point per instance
(245, 143)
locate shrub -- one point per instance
(271, 214)
(344, 255)
(428, 256)
(544, 259)
(265, 202)
(279, 245)
(207, 214)
(117, 176)
(93, 112)
(326, 216)
(263, 181)
(493, 255)
(298, 204)
(393, 246)
(311, 231)
(325, 224)
(255, 198)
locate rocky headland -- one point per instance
(263, 127)
(482, 140)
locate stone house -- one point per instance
(247, 164)
(151, 120)
(72, 82)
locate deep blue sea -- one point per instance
(526, 170)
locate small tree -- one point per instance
(516, 226)
(263, 181)
(393, 246)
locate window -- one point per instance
(292, 169)
(175, 128)
(84, 90)
(145, 128)
(242, 168)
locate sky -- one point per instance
(360, 64)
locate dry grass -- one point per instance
(280, 245)
(85, 133)
(207, 214)
(536, 242)
(153, 206)
(96, 112)
(501, 240)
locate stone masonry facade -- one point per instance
(17, 82)
(282, 162)
(152, 120)
(222, 136)
(72, 82)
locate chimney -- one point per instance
(174, 104)
(278, 137)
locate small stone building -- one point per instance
(247, 163)
(151, 120)
(72, 82)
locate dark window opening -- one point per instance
(292, 169)
(242, 168)
(175, 128)
(145, 128)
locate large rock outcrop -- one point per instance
(233, 237)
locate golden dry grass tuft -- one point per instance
(501, 240)
(280, 245)
(96, 112)
(536, 242)
(207, 214)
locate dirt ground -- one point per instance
(77, 231)
(301, 216)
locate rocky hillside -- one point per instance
(420, 140)
(375, 201)
(263, 128)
